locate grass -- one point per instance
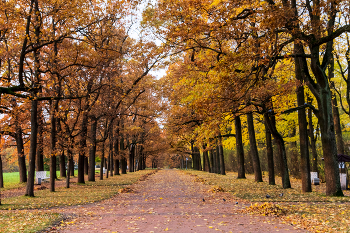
(11, 180)
(314, 211)
(17, 214)
(24, 221)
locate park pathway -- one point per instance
(168, 201)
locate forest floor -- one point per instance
(169, 200)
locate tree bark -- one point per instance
(63, 164)
(293, 149)
(304, 149)
(269, 154)
(253, 148)
(21, 157)
(111, 154)
(102, 160)
(239, 148)
(281, 150)
(92, 149)
(314, 166)
(212, 163)
(206, 164)
(1, 174)
(82, 146)
(40, 143)
(337, 126)
(32, 150)
(116, 150)
(221, 156)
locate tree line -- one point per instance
(75, 85)
(262, 60)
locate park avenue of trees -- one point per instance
(268, 80)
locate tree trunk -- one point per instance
(116, 151)
(269, 154)
(102, 160)
(293, 148)
(82, 146)
(72, 166)
(314, 167)
(92, 150)
(304, 149)
(239, 148)
(86, 165)
(212, 162)
(52, 147)
(253, 148)
(32, 150)
(111, 153)
(131, 157)
(40, 143)
(1, 174)
(281, 150)
(206, 164)
(52, 172)
(68, 173)
(124, 164)
(221, 156)
(21, 157)
(62, 164)
(337, 126)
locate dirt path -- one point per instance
(168, 201)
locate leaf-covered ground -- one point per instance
(314, 211)
(170, 201)
(17, 214)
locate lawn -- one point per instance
(315, 211)
(17, 214)
(11, 180)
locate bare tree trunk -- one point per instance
(269, 154)
(314, 167)
(82, 146)
(212, 161)
(337, 127)
(40, 143)
(32, 150)
(102, 160)
(253, 148)
(304, 149)
(1, 174)
(92, 151)
(293, 149)
(271, 122)
(239, 148)
(111, 154)
(21, 157)
(221, 156)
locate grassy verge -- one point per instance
(11, 180)
(17, 214)
(24, 221)
(313, 211)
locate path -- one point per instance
(168, 201)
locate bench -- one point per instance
(42, 175)
(314, 178)
(104, 170)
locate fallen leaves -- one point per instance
(216, 189)
(266, 209)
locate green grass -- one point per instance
(11, 180)
(314, 211)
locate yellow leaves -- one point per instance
(266, 209)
